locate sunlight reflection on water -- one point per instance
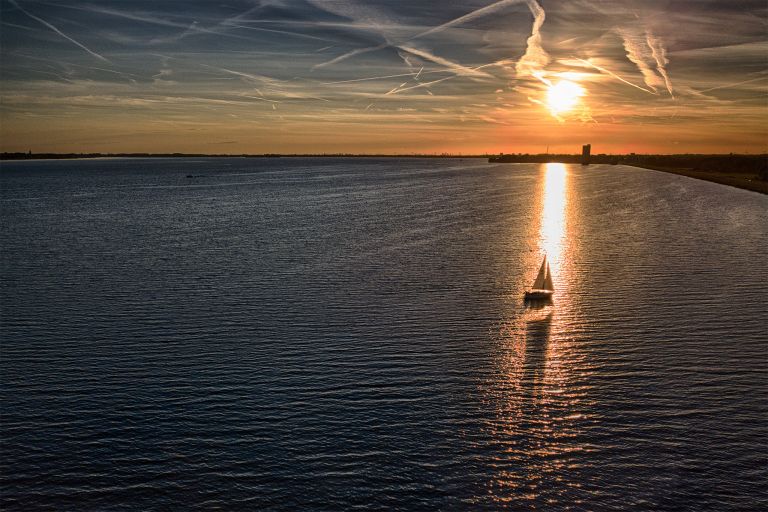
(553, 215)
(541, 403)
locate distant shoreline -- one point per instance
(745, 181)
(507, 157)
(748, 172)
(74, 156)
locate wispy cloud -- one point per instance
(383, 77)
(149, 18)
(478, 13)
(249, 76)
(281, 32)
(258, 98)
(647, 53)
(62, 34)
(589, 64)
(471, 16)
(659, 54)
(400, 88)
(735, 84)
(351, 53)
(534, 60)
(453, 66)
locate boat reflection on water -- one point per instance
(537, 331)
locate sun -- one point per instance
(563, 96)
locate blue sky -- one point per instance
(383, 76)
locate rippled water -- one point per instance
(326, 334)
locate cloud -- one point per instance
(590, 64)
(453, 66)
(401, 87)
(380, 23)
(478, 13)
(383, 77)
(188, 28)
(62, 34)
(647, 53)
(535, 58)
(248, 76)
(736, 84)
(659, 54)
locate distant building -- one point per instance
(585, 149)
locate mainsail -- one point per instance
(548, 285)
(541, 278)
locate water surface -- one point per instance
(284, 334)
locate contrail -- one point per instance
(257, 78)
(65, 64)
(159, 21)
(60, 77)
(660, 56)
(453, 66)
(640, 54)
(284, 32)
(483, 11)
(734, 85)
(258, 98)
(62, 34)
(415, 75)
(614, 75)
(535, 58)
(393, 91)
(349, 54)
(404, 55)
(426, 84)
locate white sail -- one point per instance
(548, 285)
(539, 283)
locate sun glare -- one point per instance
(563, 96)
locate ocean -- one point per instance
(337, 334)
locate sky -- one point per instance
(384, 76)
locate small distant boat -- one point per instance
(542, 288)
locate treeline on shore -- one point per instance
(70, 156)
(694, 162)
(749, 172)
(746, 164)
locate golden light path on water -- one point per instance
(539, 401)
(553, 211)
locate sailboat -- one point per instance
(542, 288)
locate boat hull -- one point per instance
(538, 295)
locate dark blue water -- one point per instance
(292, 334)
